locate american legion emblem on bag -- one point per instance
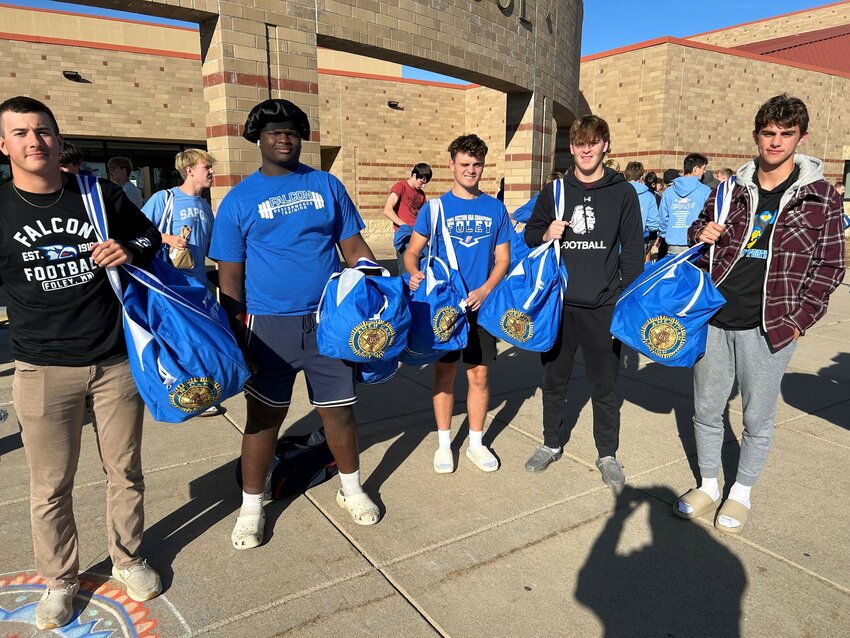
(444, 322)
(517, 324)
(198, 393)
(663, 335)
(371, 338)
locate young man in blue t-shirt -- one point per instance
(479, 228)
(188, 209)
(275, 239)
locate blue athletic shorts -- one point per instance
(282, 346)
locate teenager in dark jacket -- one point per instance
(601, 240)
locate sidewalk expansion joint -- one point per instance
(154, 470)
(749, 543)
(379, 568)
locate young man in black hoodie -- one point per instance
(601, 240)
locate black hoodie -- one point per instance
(602, 247)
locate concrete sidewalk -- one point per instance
(472, 554)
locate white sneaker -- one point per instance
(141, 581)
(56, 607)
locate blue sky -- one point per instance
(608, 24)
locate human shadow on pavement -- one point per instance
(684, 583)
(212, 498)
(656, 392)
(812, 393)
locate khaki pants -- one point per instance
(51, 403)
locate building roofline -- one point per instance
(712, 47)
(781, 15)
(397, 78)
(97, 17)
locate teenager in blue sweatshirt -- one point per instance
(648, 204)
(682, 203)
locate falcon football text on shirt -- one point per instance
(285, 272)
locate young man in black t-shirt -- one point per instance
(70, 354)
(777, 257)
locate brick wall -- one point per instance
(378, 145)
(832, 15)
(144, 97)
(707, 105)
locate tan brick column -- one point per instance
(249, 55)
(528, 146)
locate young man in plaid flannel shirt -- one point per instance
(777, 257)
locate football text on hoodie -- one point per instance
(602, 247)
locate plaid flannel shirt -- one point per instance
(806, 258)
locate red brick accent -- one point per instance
(19, 37)
(259, 81)
(227, 180)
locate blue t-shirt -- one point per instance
(285, 229)
(190, 211)
(476, 227)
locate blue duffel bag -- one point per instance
(362, 317)
(183, 355)
(438, 306)
(664, 313)
(525, 308)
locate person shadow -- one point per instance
(411, 437)
(213, 497)
(808, 392)
(656, 392)
(682, 583)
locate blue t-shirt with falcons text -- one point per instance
(476, 227)
(285, 229)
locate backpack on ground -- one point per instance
(299, 463)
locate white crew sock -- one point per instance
(475, 439)
(444, 437)
(554, 450)
(351, 483)
(251, 504)
(741, 493)
(711, 487)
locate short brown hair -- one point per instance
(189, 158)
(24, 104)
(469, 144)
(589, 128)
(782, 110)
(120, 162)
(70, 155)
(634, 171)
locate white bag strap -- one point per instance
(722, 204)
(93, 202)
(558, 191)
(348, 279)
(664, 272)
(168, 213)
(438, 215)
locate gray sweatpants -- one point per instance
(747, 355)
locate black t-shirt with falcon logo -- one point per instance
(62, 309)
